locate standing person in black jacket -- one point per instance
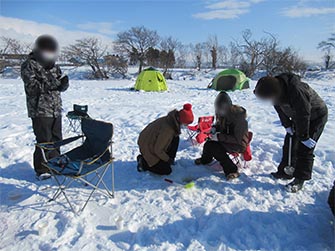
(43, 83)
(304, 115)
(229, 134)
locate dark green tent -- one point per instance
(229, 80)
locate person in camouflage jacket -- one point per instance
(43, 83)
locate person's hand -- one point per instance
(64, 80)
(289, 130)
(214, 137)
(310, 143)
(213, 130)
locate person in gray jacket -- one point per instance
(304, 114)
(43, 83)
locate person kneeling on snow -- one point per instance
(159, 141)
(304, 115)
(229, 134)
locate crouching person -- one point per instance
(159, 141)
(229, 134)
(304, 114)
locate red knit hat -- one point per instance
(186, 115)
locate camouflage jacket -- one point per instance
(42, 87)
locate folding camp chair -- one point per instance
(79, 112)
(201, 130)
(241, 159)
(94, 156)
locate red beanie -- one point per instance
(186, 115)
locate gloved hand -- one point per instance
(213, 130)
(64, 80)
(310, 143)
(214, 137)
(289, 130)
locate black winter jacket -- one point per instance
(298, 105)
(233, 129)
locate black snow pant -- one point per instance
(302, 156)
(163, 167)
(331, 199)
(46, 130)
(214, 149)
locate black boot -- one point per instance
(198, 162)
(140, 164)
(281, 175)
(295, 186)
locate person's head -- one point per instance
(186, 116)
(47, 48)
(268, 89)
(222, 103)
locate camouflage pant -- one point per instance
(46, 130)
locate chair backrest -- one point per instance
(205, 123)
(80, 108)
(98, 136)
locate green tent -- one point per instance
(150, 80)
(229, 80)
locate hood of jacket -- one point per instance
(173, 120)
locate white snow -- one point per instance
(251, 213)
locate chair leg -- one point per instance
(61, 190)
(113, 180)
(96, 187)
(65, 184)
(190, 136)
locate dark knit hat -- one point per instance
(223, 99)
(268, 87)
(186, 115)
(46, 43)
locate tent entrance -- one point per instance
(226, 83)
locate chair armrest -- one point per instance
(54, 145)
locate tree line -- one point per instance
(140, 46)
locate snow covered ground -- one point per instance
(251, 213)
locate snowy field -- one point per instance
(251, 213)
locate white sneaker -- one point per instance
(43, 176)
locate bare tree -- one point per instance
(286, 60)
(115, 65)
(152, 57)
(136, 43)
(170, 43)
(168, 47)
(13, 46)
(252, 52)
(328, 46)
(167, 61)
(272, 56)
(213, 47)
(182, 55)
(198, 51)
(234, 55)
(222, 55)
(88, 51)
(12, 52)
